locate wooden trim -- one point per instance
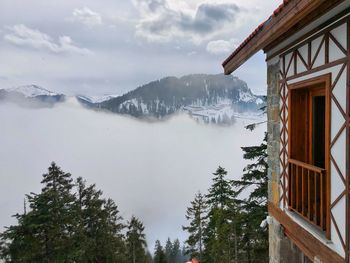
(337, 43)
(317, 51)
(303, 60)
(307, 166)
(313, 34)
(326, 44)
(309, 59)
(347, 187)
(340, 174)
(326, 81)
(295, 62)
(311, 82)
(336, 137)
(289, 64)
(325, 66)
(294, 16)
(283, 152)
(311, 246)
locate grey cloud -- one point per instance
(154, 5)
(209, 17)
(220, 12)
(172, 23)
(150, 5)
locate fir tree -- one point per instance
(168, 250)
(254, 208)
(44, 233)
(136, 242)
(176, 256)
(220, 235)
(196, 215)
(63, 226)
(99, 226)
(159, 255)
(220, 194)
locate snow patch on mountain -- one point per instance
(97, 99)
(137, 104)
(222, 112)
(31, 91)
(259, 101)
(246, 97)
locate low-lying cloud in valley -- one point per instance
(150, 170)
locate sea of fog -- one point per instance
(151, 170)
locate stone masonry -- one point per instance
(281, 249)
(273, 147)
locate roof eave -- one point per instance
(296, 14)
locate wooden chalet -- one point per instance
(307, 47)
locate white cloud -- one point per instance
(86, 16)
(22, 35)
(221, 46)
(108, 150)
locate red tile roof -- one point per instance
(275, 13)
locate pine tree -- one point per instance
(44, 233)
(184, 254)
(220, 194)
(254, 208)
(136, 241)
(99, 227)
(196, 214)
(159, 255)
(176, 256)
(113, 237)
(220, 235)
(63, 226)
(168, 250)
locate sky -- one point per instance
(151, 170)
(111, 46)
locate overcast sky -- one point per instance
(111, 46)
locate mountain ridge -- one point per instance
(31, 96)
(207, 98)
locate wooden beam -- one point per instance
(324, 8)
(347, 210)
(294, 16)
(306, 242)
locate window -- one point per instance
(308, 127)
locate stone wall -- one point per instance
(273, 131)
(273, 127)
(281, 249)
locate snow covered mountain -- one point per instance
(215, 99)
(207, 98)
(31, 91)
(31, 95)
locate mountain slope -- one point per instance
(208, 98)
(31, 95)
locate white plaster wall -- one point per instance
(338, 150)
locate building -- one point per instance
(307, 46)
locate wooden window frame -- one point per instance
(326, 81)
